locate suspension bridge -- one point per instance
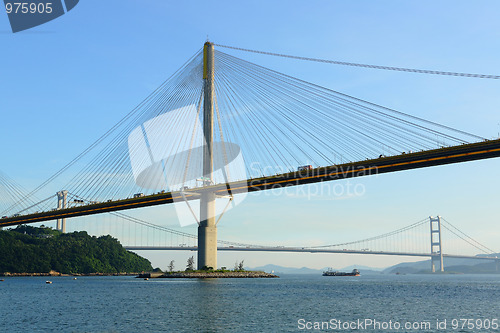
(221, 127)
(414, 240)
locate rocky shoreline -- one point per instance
(207, 275)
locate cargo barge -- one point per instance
(331, 272)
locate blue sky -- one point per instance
(68, 81)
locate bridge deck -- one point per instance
(456, 154)
(303, 250)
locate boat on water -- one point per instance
(48, 282)
(331, 272)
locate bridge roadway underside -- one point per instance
(303, 250)
(456, 154)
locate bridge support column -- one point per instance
(62, 202)
(207, 233)
(436, 244)
(207, 230)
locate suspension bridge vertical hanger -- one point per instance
(207, 230)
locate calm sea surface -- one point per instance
(292, 303)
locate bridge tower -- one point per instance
(62, 202)
(207, 230)
(436, 243)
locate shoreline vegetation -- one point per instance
(43, 251)
(53, 273)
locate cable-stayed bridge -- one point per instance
(220, 127)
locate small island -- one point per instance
(31, 251)
(206, 272)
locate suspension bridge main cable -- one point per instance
(392, 233)
(148, 224)
(36, 204)
(463, 236)
(173, 231)
(352, 64)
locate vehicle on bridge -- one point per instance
(305, 167)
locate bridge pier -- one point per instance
(207, 230)
(436, 244)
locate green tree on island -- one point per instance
(190, 264)
(238, 266)
(171, 266)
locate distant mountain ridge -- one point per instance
(450, 265)
(469, 266)
(305, 270)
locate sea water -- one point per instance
(292, 303)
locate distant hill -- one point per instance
(39, 250)
(363, 268)
(305, 270)
(286, 270)
(450, 265)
